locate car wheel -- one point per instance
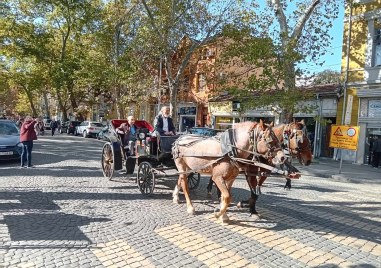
(84, 134)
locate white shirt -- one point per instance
(165, 124)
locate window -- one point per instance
(377, 43)
(201, 82)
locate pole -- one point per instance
(346, 76)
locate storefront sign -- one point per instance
(221, 107)
(344, 137)
(374, 108)
(188, 110)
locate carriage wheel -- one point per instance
(107, 161)
(193, 180)
(145, 178)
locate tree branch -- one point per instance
(280, 15)
(302, 21)
(152, 21)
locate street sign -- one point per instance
(344, 137)
(348, 112)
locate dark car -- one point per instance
(10, 146)
(103, 134)
(69, 127)
(204, 131)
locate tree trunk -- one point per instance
(30, 98)
(46, 104)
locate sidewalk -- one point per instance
(350, 172)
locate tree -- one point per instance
(299, 32)
(168, 22)
(327, 77)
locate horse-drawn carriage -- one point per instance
(249, 147)
(152, 156)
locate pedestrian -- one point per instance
(53, 126)
(27, 136)
(164, 123)
(376, 151)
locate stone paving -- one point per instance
(63, 213)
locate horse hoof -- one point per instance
(255, 216)
(176, 201)
(191, 211)
(224, 219)
(239, 205)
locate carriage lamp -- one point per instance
(142, 136)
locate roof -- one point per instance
(321, 90)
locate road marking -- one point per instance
(119, 254)
(361, 244)
(284, 244)
(200, 247)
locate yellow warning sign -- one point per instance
(344, 137)
(338, 132)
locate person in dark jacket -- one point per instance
(127, 133)
(376, 151)
(164, 124)
(27, 136)
(53, 126)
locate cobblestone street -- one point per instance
(64, 213)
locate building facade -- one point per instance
(361, 70)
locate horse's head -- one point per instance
(299, 144)
(261, 141)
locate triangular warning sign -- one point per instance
(338, 132)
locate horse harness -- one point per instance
(229, 149)
(288, 134)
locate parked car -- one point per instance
(47, 124)
(204, 131)
(88, 128)
(68, 127)
(10, 146)
(103, 134)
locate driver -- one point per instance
(127, 134)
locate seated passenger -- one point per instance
(163, 123)
(127, 135)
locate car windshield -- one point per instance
(8, 129)
(96, 125)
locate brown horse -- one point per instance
(221, 158)
(293, 137)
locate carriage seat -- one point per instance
(166, 142)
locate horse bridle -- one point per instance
(288, 135)
(257, 134)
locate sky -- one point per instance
(333, 56)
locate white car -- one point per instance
(88, 128)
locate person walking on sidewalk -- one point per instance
(376, 151)
(53, 126)
(27, 136)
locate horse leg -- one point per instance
(260, 183)
(209, 187)
(225, 200)
(252, 182)
(175, 194)
(184, 186)
(288, 184)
